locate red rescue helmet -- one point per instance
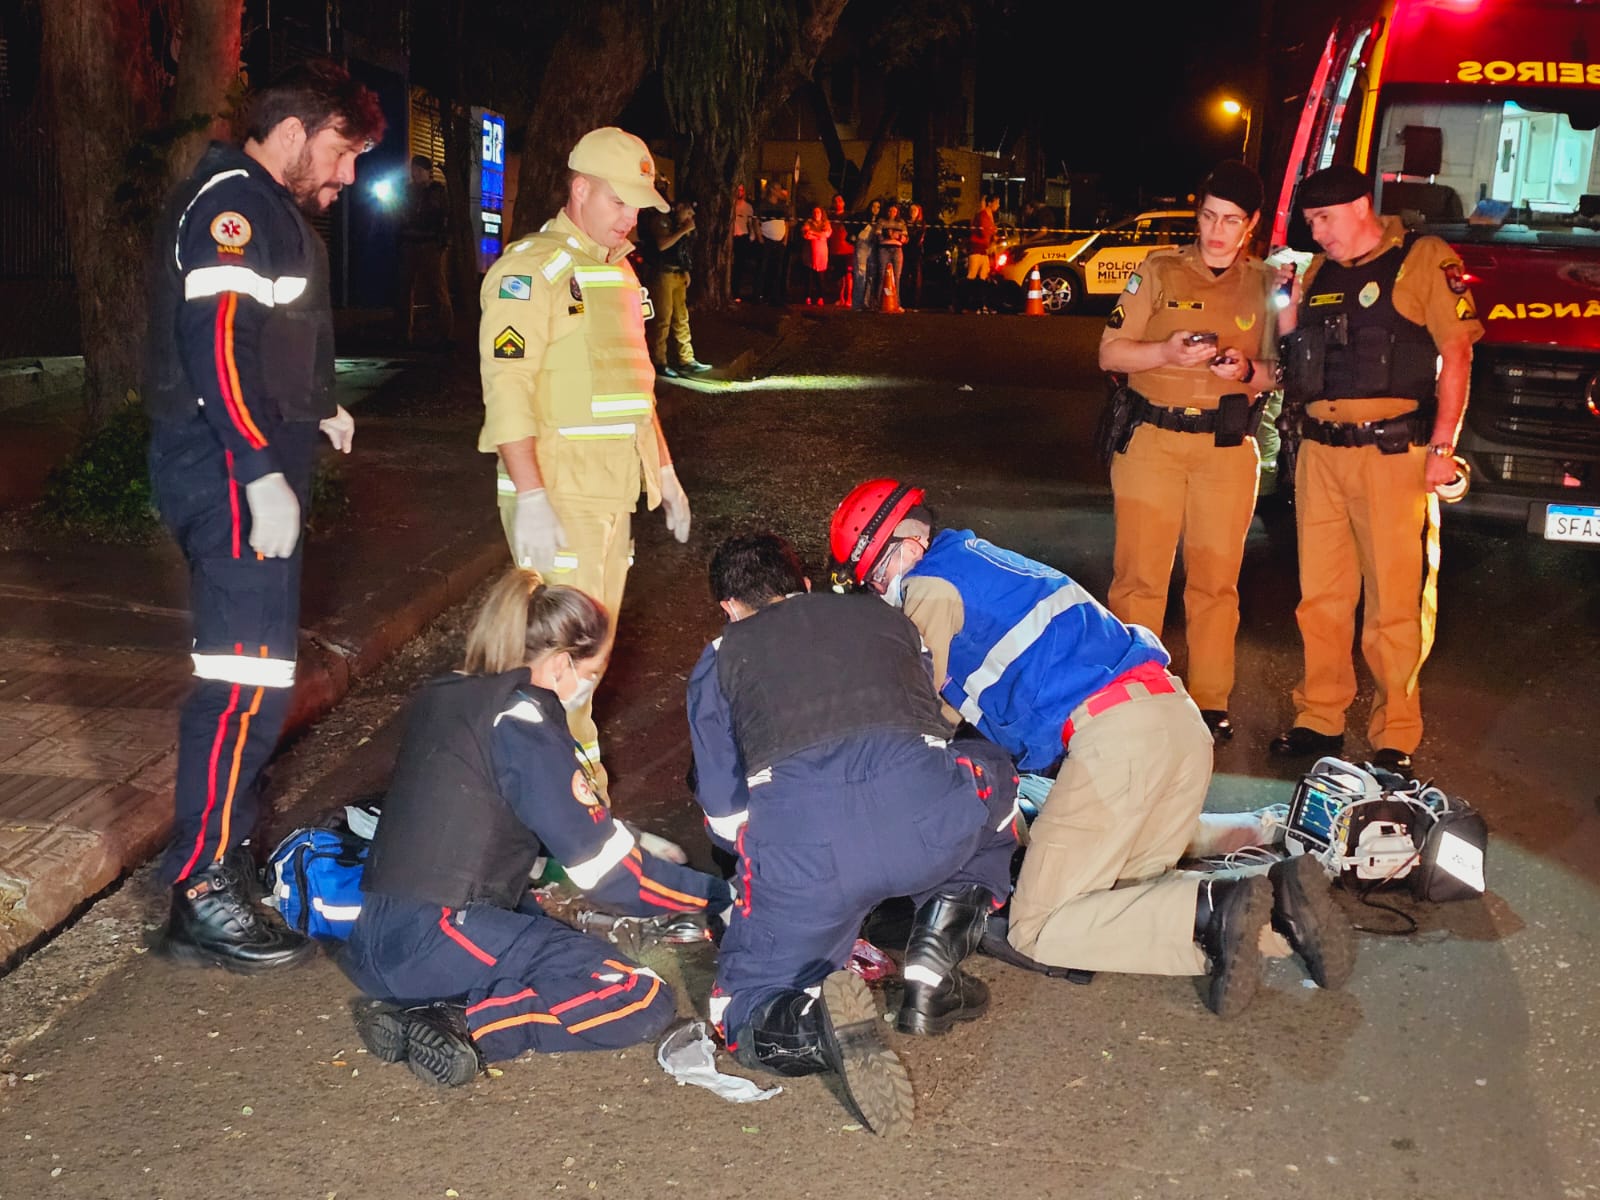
(864, 524)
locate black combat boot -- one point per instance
(214, 924)
(1229, 916)
(1304, 911)
(947, 929)
(795, 1033)
(439, 1046)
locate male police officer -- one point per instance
(1380, 360)
(1034, 662)
(569, 389)
(822, 759)
(1190, 467)
(239, 379)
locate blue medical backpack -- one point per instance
(314, 880)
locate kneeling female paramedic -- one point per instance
(487, 778)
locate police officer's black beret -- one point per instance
(1236, 183)
(1332, 185)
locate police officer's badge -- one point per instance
(1368, 295)
(1245, 324)
(508, 343)
(516, 287)
(1454, 277)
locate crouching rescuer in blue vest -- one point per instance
(488, 777)
(824, 763)
(1027, 657)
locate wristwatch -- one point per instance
(1442, 450)
(1249, 371)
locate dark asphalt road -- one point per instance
(1459, 1062)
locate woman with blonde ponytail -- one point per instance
(488, 779)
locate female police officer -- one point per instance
(487, 776)
(1192, 327)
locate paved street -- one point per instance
(1459, 1062)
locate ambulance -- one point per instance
(1478, 120)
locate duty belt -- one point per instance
(1147, 679)
(1367, 433)
(1179, 420)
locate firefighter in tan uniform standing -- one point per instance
(1195, 332)
(1380, 361)
(568, 388)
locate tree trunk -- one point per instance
(208, 70)
(459, 132)
(575, 97)
(106, 99)
(828, 131)
(869, 161)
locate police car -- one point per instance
(1073, 267)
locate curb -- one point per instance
(82, 863)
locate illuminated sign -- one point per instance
(1538, 311)
(490, 178)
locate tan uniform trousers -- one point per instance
(595, 560)
(1168, 485)
(1360, 516)
(671, 298)
(1097, 890)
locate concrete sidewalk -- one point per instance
(93, 637)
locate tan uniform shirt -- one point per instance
(562, 358)
(934, 606)
(1422, 294)
(1173, 290)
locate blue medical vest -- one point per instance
(1033, 645)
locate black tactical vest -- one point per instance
(1370, 349)
(818, 667)
(294, 380)
(447, 837)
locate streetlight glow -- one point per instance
(1237, 108)
(1232, 107)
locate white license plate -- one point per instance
(1572, 523)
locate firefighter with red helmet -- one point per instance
(1034, 662)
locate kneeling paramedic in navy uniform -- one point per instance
(1031, 660)
(488, 777)
(823, 761)
(238, 382)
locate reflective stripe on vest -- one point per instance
(1017, 640)
(624, 430)
(600, 277)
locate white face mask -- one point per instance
(581, 694)
(895, 593)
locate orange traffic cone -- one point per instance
(889, 300)
(1035, 306)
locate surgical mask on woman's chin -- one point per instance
(894, 594)
(581, 694)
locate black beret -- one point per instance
(1236, 183)
(1332, 185)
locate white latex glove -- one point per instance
(274, 516)
(674, 504)
(651, 843)
(536, 531)
(341, 429)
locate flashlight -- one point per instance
(383, 191)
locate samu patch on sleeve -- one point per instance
(230, 230)
(516, 287)
(1117, 317)
(508, 343)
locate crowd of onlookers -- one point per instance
(880, 258)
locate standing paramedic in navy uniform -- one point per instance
(488, 778)
(1380, 362)
(822, 759)
(239, 380)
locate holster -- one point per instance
(1236, 418)
(1117, 421)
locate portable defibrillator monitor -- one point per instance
(1370, 832)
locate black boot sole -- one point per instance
(439, 1058)
(1305, 912)
(1237, 977)
(191, 954)
(875, 1081)
(917, 1023)
(383, 1032)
